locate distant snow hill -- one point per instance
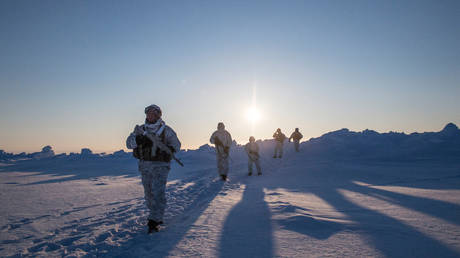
(340, 144)
(369, 144)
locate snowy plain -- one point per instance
(302, 206)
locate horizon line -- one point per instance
(191, 149)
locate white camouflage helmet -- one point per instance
(153, 107)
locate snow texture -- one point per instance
(345, 194)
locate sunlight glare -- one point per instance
(253, 114)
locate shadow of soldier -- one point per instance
(319, 229)
(390, 235)
(247, 230)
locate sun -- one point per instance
(253, 115)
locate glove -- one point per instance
(138, 130)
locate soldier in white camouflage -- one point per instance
(223, 141)
(154, 163)
(279, 140)
(296, 136)
(252, 149)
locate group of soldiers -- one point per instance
(154, 145)
(223, 142)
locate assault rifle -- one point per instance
(253, 155)
(157, 141)
(219, 143)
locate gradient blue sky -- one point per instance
(77, 74)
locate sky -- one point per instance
(78, 74)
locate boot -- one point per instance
(153, 226)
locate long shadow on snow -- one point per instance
(247, 230)
(386, 234)
(390, 236)
(74, 169)
(127, 215)
(311, 227)
(161, 244)
(432, 207)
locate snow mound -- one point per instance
(368, 144)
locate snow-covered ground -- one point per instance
(299, 207)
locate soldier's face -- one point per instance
(152, 116)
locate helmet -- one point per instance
(153, 107)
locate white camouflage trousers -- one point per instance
(296, 145)
(222, 164)
(256, 161)
(278, 149)
(154, 179)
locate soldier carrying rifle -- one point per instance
(222, 140)
(154, 144)
(252, 149)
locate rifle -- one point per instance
(163, 147)
(219, 143)
(253, 154)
